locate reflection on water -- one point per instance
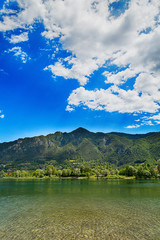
(78, 209)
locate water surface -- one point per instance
(79, 209)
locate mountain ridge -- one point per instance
(81, 146)
(83, 129)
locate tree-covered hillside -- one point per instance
(81, 146)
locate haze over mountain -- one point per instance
(81, 146)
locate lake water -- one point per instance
(79, 209)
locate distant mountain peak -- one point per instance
(80, 130)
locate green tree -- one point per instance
(76, 172)
(87, 169)
(130, 171)
(116, 172)
(59, 173)
(39, 173)
(64, 173)
(81, 168)
(153, 172)
(139, 173)
(50, 170)
(112, 172)
(97, 174)
(105, 172)
(122, 171)
(69, 172)
(146, 174)
(2, 174)
(24, 173)
(88, 175)
(17, 174)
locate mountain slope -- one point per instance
(80, 146)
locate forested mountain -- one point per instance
(81, 146)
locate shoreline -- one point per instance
(78, 178)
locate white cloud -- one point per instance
(69, 109)
(113, 99)
(19, 54)
(72, 21)
(2, 116)
(30, 11)
(58, 69)
(78, 70)
(120, 77)
(133, 126)
(95, 38)
(148, 84)
(50, 34)
(93, 44)
(147, 123)
(23, 37)
(151, 120)
(155, 117)
(143, 123)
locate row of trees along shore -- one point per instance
(139, 172)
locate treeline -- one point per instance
(139, 172)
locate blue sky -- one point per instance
(72, 63)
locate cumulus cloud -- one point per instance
(95, 38)
(120, 77)
(23, 37)
(17, 52)
(113, 99)
(78, 70)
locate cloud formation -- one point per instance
(23, 37)
(113, 99)
(18, 53)
(95, 37)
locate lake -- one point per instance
(79, 209)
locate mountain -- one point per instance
(81, 146)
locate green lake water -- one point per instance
(79, 209)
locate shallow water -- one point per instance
(79, 209)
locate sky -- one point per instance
(66, 64)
